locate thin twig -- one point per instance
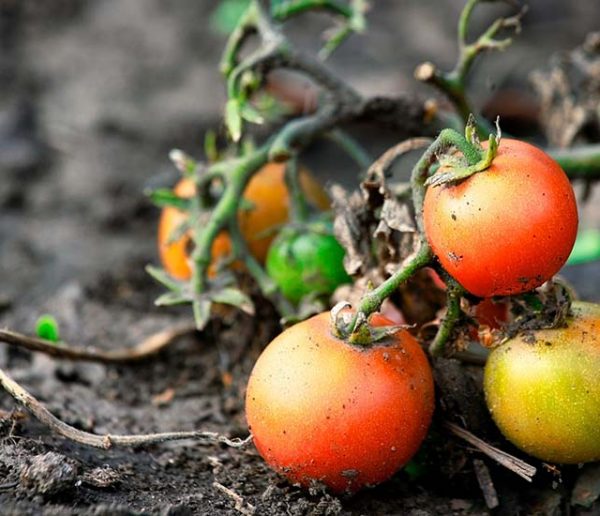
(242, 507)
(148, 347)
(514, 464)
(385, 161)
(44, 416)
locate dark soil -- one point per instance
(93, 94)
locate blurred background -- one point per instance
(94, 94)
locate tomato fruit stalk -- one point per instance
(347, 416)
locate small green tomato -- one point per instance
(543, 389)
(307, 260)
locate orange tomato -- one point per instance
(505, 230)
(268, 194)
(348, 416)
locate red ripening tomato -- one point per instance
(348, 416)
(268, 194)
(505, 230)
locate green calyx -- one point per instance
(356, 329)
(474, 157)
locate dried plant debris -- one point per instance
(376, 228)
(547, 307)
(570, 94)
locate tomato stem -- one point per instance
(299, 209)
(203, 232)
(371, 301)
(453, 313)
(453, 84)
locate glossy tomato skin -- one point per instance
(307, 261)
(323, 410)
(543, 389)
(269, 197)
(505, 230)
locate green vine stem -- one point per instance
(423, 256)
(453, 83)
(578, 163)
(351, 147)
(284, 10)
(205, 232)
(263, 280)
(299, 209)
(453, 314)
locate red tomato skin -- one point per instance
(505, 230)
(323, 410)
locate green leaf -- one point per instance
(227, 15)
(201, 312)
(234, 297)
(183, 162)
(163, 197)
(164, 279)
(172, 298)
(586, 248)
(46, 327)
(233, 119)
(251, 114)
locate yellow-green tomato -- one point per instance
(543, 389)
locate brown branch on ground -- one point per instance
(247, 509)
(148, 347)
(514, 464)
(107, 441)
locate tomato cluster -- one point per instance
(269, 206)
(323, 409)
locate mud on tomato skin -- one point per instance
(543, 392)
(322, 410)
(505, 230)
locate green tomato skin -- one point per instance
(306, 262)
(543, 389)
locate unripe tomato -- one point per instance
(305, 261)
(543, 389)
(320, 409)
(268, 194)
(505, 230)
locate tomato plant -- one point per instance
(307, 260)
(505, 230)
(543, 392)
(268, 196)
(348, 416)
